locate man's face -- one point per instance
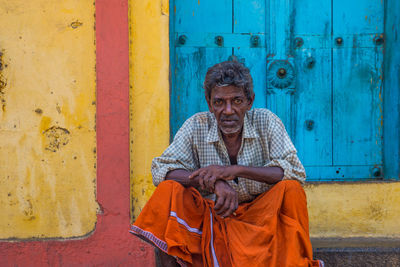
(229, 105)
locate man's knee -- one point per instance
(292, 184)
(292, 187)
(167, 186)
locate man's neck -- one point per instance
(232, 144)
(233, 138)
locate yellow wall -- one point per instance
(335, 209)
(149, 93)
(47, 118)
(354, 209)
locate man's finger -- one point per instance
(198, 172)
(201, 182)
(201, 178)
(219, 203)
(207, 177)
(195, 173)
(210, 181)
(225, 207)
(214, 179)
(230, 210)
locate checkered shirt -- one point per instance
(198, 143)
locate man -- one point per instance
(228, 191)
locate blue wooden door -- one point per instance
(316, 64)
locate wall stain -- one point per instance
(377, 211)
(3, 83)
(28, 211)
(76, 24)
(55, 138)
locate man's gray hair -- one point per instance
(229, 73)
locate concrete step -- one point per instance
(356, 252)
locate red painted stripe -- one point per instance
(111, 244)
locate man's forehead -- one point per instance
(227, 91)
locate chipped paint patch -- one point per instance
(56, 137)
(76, 24)
(3, 82)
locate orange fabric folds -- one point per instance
(272, 230)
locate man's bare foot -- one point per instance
(165, 260)
(162, 258)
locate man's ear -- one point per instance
(250, 102)
(209, 103)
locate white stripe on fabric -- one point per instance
(181, 221)
(215, 260)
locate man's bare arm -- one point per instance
(182, 176)
(207, 176)
(269, 175)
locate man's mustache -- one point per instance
(229, 118)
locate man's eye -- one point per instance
(218, 102)
(238, 101)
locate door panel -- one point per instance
(249, 16)
(312, 116)
(203, 16)
(357, 107)
(312, 18)
(313, 107)
(356, 17)
(357, 83)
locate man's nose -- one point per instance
(228, 109)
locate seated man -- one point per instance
(228, 191)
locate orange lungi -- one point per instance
(272, 230)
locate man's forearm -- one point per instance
(269, 175)
(182, 176)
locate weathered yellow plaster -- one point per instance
(47, 119)
(335, 209)
(149, 93)
(354, 209)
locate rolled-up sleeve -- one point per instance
(179, 155)
(282, 152)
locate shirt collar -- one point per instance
(248, 130)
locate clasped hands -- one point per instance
(209, 175)
(213, 178)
